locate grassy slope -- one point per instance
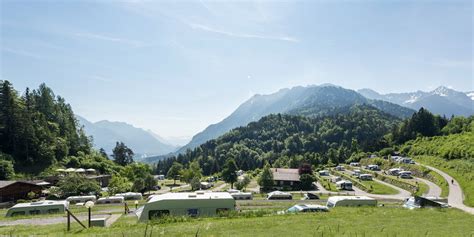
(378, 188)
(386, 221)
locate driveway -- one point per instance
(456, 196)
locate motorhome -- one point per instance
(109, 200)
(340, 168)
(344, 185)
(350, 201)
(130, 196)
(354, 164)
(192, 204)
(279, 195)
(80, 199)
(36, 208)
(366, 177)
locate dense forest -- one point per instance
(287, 140)
(37, 129)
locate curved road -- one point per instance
(401, 195)
(433, 189)
(455, 197)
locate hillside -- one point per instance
(308, 101)
(286, 140)
(105, 134)
(442, 100)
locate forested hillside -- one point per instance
(312, 101)
(288, 140)
(37, 129)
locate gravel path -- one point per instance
(50, 220)
(456, 196)
(433, 191)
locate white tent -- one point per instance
(80, 170)
(70, 170)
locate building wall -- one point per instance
(18, 191)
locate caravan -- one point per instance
(195, 204)
(36, 208)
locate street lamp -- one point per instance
(89, 205)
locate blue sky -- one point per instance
(176, 67)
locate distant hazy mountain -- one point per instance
(308, 101)
(175, 141)
(442, 100)
(105, 134)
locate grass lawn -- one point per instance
(378, 188)
(461, 170)
(380, 221)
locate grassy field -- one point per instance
(378, 188)
(380, 221)
(461, 170)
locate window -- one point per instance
(193, 212)
(34, 212)
(52, 211)
(155, 214)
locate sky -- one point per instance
(176, 67)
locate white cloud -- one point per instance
(197, 26)
(134, 43)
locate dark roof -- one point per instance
(285, 174)
(5, 183)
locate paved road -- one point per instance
(456, 196)
(401, 195)
(433, 189)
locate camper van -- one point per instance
(354, 164)
(109, 200)
(366, 177)
(130, 196)
(344, 185)
(405, 174)
(340, 168)
(350, 201)
(336, 179)
(192, 204)
(80, 199)
(36, 208)
(279, 195)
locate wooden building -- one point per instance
(14, 190)
(286, 179)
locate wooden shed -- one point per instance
(14, 190)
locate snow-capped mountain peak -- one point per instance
(470, 94)
(442, 91)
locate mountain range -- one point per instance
(442, 100)
(144, 143)
(309, 101)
